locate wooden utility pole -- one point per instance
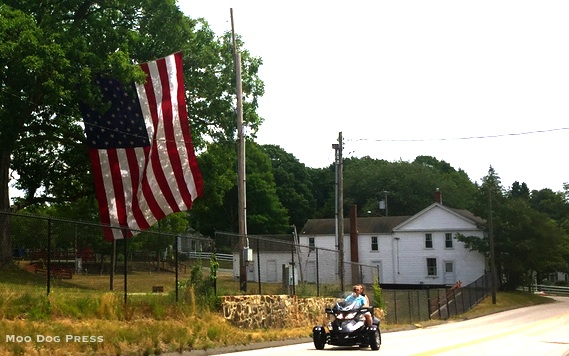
(242, 206)
(340, 208)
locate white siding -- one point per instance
(437, 218)
(327, 259)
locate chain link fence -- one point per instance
(279, 264)
(63, 250)
(153, 261)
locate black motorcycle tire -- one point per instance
(375, 340)
(319, 339)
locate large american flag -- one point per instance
(141, 150)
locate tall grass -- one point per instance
(147, 324)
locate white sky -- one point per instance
(382, 71)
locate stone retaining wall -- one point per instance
(275, 311)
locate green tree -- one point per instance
(265, 212)
(324, 191)
(293, 184)
(519, 190)
(551, 203)
(218, 209)
(50, 53)
(410, 186)
(528, 242)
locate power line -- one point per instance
(463, 138)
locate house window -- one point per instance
(311, 244)
(374, 244)
(431, 266)
(428, 240)
(449, 267)
(448, 240)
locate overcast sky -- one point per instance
(406, 78)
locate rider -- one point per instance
(361, 301)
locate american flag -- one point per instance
(141, 150)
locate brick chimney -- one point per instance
(438, 196)
(354, 253)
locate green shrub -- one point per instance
(378, 300)
(198, 290)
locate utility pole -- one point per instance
(340, 207)
(242, 206)
(491, 239)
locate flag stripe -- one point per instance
(100, 192)
(192, 174)
(182, 137)
(172, 130)
(158, 162)
(139, 205)
(117, 193)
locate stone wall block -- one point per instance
(274, 311)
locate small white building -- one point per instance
(271, 258)
(413, 250)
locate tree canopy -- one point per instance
(50, 53)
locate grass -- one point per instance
(98, 322)
(84, 308)
(505, 301)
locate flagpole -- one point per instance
(242, 206)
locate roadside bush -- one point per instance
(378, 300)
(199, 291)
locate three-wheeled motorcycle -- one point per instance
(347, 327)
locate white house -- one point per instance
(413, 250)
(271, 258)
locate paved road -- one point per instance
(538, 330)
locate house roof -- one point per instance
(467, 214)
(378, 225)
(366, 225)
(463, 214)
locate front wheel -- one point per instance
(375, 340)
(319, 338)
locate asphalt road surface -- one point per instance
(538, 330)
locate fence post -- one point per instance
(259, 265)
(48, 256)
(176, 262)
(447, 304)
(454, 294)
(317, 275)
(410, 309)
(470, 295)
(419, 304)
(292, 264)
(439, 303)
(125, 284)
(429, 302)
(395, 304)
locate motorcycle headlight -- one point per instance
(340, 316)
(351, 316)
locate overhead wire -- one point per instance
(401, 140)
(463, 138)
